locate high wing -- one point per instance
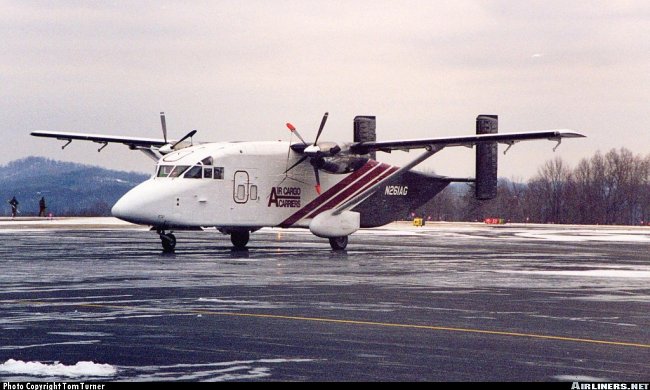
(152, 147)
(131, 142)
(470, 140)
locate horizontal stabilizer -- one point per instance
(470, 140)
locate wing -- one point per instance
(149, 146)
(131, 142)
(470, 140)
(435, 145)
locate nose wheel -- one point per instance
(168, 241)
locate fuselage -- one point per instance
(245, 185)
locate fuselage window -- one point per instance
(253, 192)
(164, 170)
(241, 192)
(194, 173)
(218, 173)
(207, 161)
(178, 170)
(207, 173)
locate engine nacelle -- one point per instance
(342, 164)
(328, 225)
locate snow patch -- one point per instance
(81, 342)
(579, 378)
(587, 235)
(237, 370)
(593, 273)
(81, 369)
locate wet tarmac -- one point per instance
(447, 302)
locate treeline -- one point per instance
(609, 189)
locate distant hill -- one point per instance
(68, 188)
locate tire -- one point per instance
(339, 243)
(168, 242)
(239, 239)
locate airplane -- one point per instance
(331, 188)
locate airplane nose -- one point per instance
(122, 209)
(137, 206)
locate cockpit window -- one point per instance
(164, 170)
(194, 173)
(207, 173)
(178, 170)
(218, 173)
(202, 170)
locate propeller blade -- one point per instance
(322, 125)
(164, 126)
(317, 180)
(293, 130)
(303, 158)
(188, 135)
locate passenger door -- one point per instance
(240, 187)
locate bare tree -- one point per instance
(548, 192)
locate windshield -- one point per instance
(164, 170)
(178, 170)
(203, 170)
(194, 173)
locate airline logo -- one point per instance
(285, 197)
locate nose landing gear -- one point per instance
(168, 241)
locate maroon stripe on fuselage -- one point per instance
(298, 215)
(357, 187)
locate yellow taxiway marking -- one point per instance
(356, 322)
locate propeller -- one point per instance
(188, 135)
(322, 125)
(164, 126)
(317, 178)
(293, 130)
(316, 153)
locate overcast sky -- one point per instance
(239, 70)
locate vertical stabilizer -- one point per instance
(365, 130)
(486, 158)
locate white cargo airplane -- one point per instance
(240, 187)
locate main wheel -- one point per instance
(240, 238)
(339, 243)
(168, 242)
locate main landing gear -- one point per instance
(339, 243)
(168, 241)
(239, 238)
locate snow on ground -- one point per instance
(78, 370)
(212, 372)
(592, 273)
(452, 230)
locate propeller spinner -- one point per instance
(315, 152)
